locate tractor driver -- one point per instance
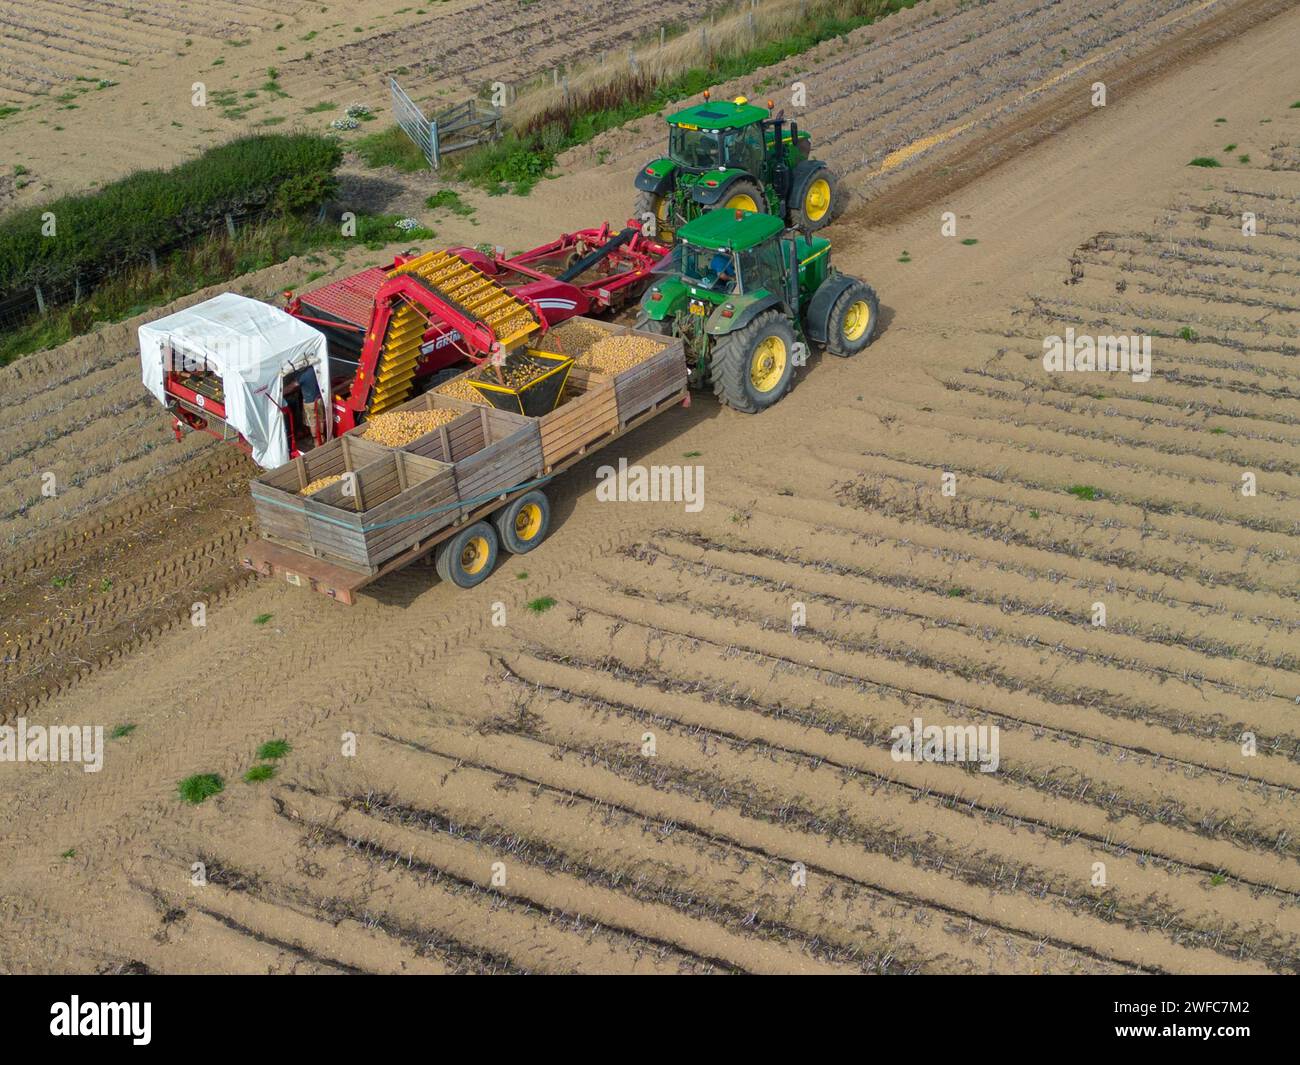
(720, 273)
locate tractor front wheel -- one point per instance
(467, 558)
(851, 324)
(752, 368)
(816, 200)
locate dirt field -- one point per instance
(502, 811)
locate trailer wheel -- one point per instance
(467, 558)
(851, 324)
(752, 368)
(523, 524)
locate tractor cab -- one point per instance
(732, 258)
(715, 136)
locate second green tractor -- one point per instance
(731, 154)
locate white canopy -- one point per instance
(251, 346)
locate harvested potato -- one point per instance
(397, 428)
(319, 483)
(574, 336)
(459, 388)
(614, 354)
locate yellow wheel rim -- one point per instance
(856, 320)
(474, 555)
(767, 366)
(742, 201)
(528, 522)
(818, 200)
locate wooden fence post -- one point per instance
(40, 301)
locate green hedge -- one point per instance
(100, 231)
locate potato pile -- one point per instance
(575, 336)
(459, 388)
(397, 428)
(614, 354)
(319, 483)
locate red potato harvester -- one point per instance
(397, 330)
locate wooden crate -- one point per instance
(281, 511)
(393, 502)
(587, 412)
(662, 375)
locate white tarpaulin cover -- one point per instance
(251, 346)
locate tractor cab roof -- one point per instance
(713, 115)
(730, 230)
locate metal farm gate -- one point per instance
(462, 126)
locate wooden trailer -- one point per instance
(465, 490)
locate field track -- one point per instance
(660, 773)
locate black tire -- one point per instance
(657, 207)
(738, 188)
(846, 334)
(450, 559)
(810, 213)
(523, 523)
(651, 325)
(732, 364)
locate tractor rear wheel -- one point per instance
(523, 524)
(851, 324)
(752, 368)
(653, 212)
(743, 195)
(651, 325)
(816, 200)
(467, 558)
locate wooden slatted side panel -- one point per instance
(418, 511)
(662, 375)
(587, 412)
(512, 455)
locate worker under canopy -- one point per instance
(251, 346)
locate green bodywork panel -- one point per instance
(718, 114)
(722, 231)
(660, 167)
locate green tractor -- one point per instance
(747, 295)
(735, 155)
